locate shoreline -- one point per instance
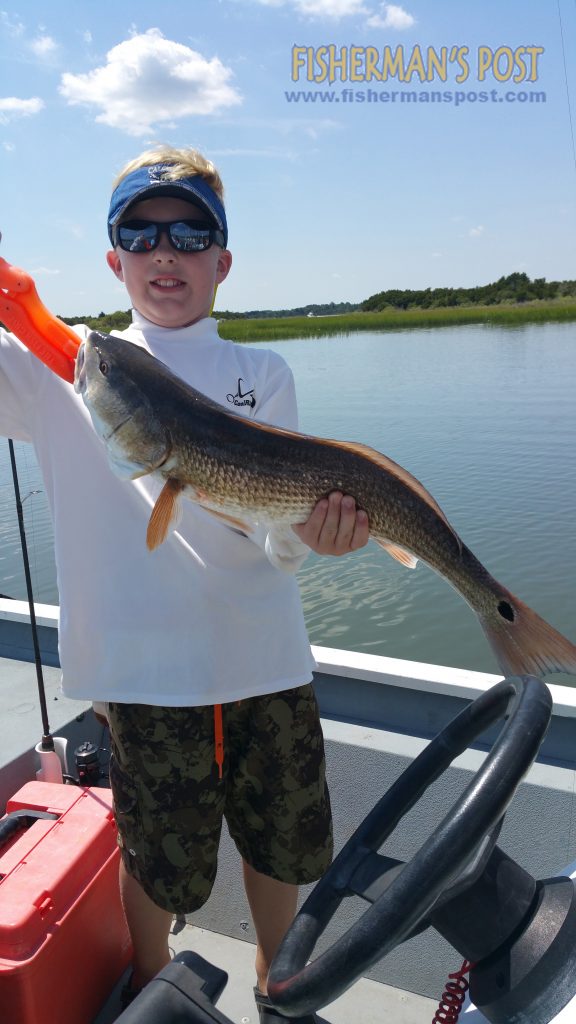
(278, 328)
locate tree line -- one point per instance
(122, 318)
(313, 309)
(515, 288)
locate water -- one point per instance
(484, 416)
(39, 537)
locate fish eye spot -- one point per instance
(103, 367)
(506, 611)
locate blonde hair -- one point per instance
(183, 162)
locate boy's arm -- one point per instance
(22, 376)
(19, 381)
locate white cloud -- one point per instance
(321, 8)
(392, 16)
(43, 272)
(43, 46)
(330, 8)
(12, 107)
(476, 232)
(149, 81)
(13, 26)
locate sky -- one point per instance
(363, 145)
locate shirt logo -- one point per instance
(242, 397)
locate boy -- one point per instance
(211, 618)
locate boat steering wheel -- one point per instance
(296, 987)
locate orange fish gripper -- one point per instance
(23, 313)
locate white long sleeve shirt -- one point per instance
(211, 616)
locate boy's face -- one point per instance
(170, 288)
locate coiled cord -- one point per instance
(450, 1005)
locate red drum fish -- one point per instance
(244, 471)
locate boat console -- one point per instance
(519, 933)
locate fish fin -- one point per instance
(400, 554)
(523, 642)
(164, 513)
(239, 524)
(202, 498)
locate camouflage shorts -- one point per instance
(169, 801)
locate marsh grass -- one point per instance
(276, 328)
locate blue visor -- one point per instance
(149, 182)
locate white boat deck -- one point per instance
(367, 1002)
(378, 713)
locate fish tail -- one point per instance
(524, 643)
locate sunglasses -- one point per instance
(183, 235)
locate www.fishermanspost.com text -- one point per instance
(454, 97)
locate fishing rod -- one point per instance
(51, 755)
(47, 740)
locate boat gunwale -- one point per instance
(413, 675)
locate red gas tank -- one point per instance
(63, 937)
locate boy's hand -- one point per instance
(335, 526)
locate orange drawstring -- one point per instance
(218, 738)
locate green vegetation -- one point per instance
(510, 300)
(517, 288)
(122, 318)
(314, 309)
(104, 322)
(393, 320)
